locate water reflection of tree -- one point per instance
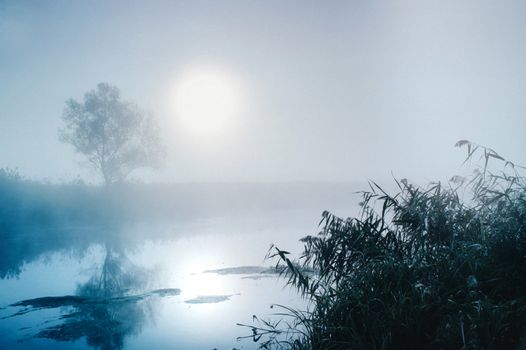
(118, 276)
(112, 308)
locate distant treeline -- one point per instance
(31, 203)
(38, 217)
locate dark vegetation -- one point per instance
(441, 267)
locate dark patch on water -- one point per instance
(256, 272)
(209, 299)
(244, 270)
(104, 322)
(252, 272)
(77, 301)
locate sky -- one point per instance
(325, 90)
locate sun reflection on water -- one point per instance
(196, 283)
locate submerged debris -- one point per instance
(209, 299)
(103, 321)
(73, 300)
(258, 272)
(244, 270)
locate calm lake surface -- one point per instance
(148, 285)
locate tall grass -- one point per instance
(441, 267)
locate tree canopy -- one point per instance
(115, 136)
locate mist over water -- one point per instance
(118, 268)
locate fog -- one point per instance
(155, 154)
(341, 91)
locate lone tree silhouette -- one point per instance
(116, 137)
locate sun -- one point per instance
(207, 101)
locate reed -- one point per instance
(440, 267)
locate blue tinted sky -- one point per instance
(332, 90)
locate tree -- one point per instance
(116, 137)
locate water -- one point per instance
(150, 285)
(150, 267)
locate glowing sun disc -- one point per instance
(206, 101)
